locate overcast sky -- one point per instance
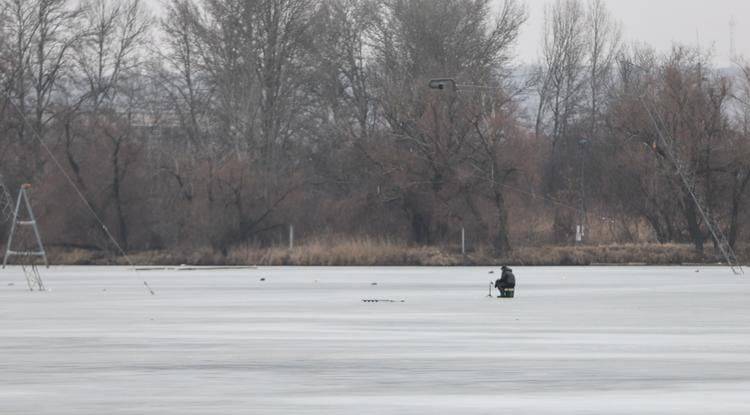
(662, 22)
(657, 22)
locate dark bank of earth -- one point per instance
(371, 253)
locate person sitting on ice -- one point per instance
(507, 283)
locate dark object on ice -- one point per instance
(10, 284)
(262, 279)
(507, 293)
(382, 301)
(507, 283)
(492, 272)
(374, 283)
(507, 279)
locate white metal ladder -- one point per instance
(32, 274)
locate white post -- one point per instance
(291, 237)
(463, 241)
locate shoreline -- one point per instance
(386, 254)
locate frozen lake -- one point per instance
(573, 341)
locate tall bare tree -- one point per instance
(604, 46)
(44, 33)
(109, 57)
(419, 40)
(563, 75)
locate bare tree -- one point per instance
(233, 118)
(109, 57)
(604, 46)
(250, 57)
(43, 33)
(420, 40)
(563, 78)
(181, 76)
(739, 162)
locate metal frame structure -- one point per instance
(9, 252)
(34, 272)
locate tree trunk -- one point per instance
(694, 229)
(737, 192)
(117, 195)
(501, 242)
(419, 221)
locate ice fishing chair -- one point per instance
(507, 292)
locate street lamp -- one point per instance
(443, 83)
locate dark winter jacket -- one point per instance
(507, 280)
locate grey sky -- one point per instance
(662, 22)
(656, 22)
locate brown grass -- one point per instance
(371, 252)
(650, 254)
(349, 252)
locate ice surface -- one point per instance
(574, 340)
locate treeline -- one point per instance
(219, 122)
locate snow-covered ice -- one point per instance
(573, 341)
